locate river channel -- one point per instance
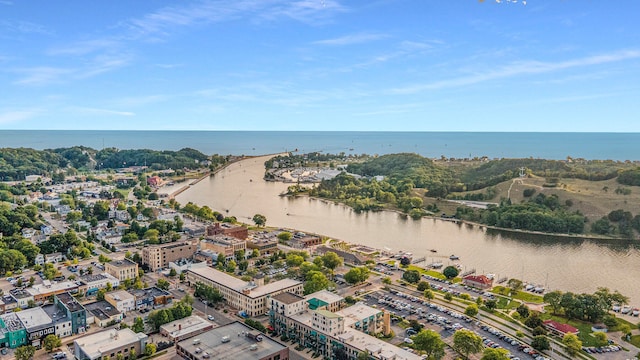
(576, 265)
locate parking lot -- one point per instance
(447, 322)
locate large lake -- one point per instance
(566, 264)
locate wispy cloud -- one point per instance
(98, 111)
(352, 39)
(85, 47)
(17, 116)
(104, 63)
(521, 68)
(141, 100)
(169, 66)
(41, 75)
(24, 27)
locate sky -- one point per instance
(374, 65)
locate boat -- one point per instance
(433, 250)
(453, 257)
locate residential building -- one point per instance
(109, 343)
(90, 284)
(53, 258)
(154, 181)
(12, 333)
(185, 328)
(150, 298)
(159, 256)
(122, 269)
(342, 334)
(9, 303)
(39, 260)
(61, 322)
(250, 297)
(22, 297)
(121, 300)
(266, 246)
(102, 313)
(236, 231)
(222, 244)
(194, 229)
(325, 299)
(478, 281)
(233, 341)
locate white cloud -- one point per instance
(41, 75)
(85, 47)
(352, 39)
(521, 68)
(24, 27)
(98, 111)
(16, 116)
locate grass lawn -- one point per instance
(584, 327)
(124, 192)
(521, 295)
(431, 273)
(635, 340)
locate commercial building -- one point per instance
(324, 299)
(250, 297)
(121, 300)
(342, 334)
(233, 341)
(122, 269)
(185, 328)
(477, 281)
(151, 298)
(37, 323)
(61, 322)
(90, 284)
(266, 245)
(301, 240)
(222, 244)
(102, 313)
(71, 309)
(236, 231)
(159, 256)
(41, 293)
(109, 343)
(12, 332)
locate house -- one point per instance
(53, 258)
(154, 181)
(477, 281)
(62, 210)
(39, 260)
(559, 328)
(46, 229)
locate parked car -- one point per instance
(210, 317)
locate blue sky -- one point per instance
(397, 65)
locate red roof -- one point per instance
(479, 279)
(562, 328)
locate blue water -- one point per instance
(604, 146)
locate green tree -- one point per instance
(103, 259)
(533, 321)
(173, 272)
(51, 342)
(412, 276)
(331, 260)
(138, 325)
(357, 275)
(133, 355)
(231, 266)
(183, 277)
(572, 344)
(553, 298)
(523, 311)
(448, 296)
(315, 281)
(25, 352)
(150, 349)
(450, 272)
(430, 342)
(423, 285)
(540, 343)
(362, 356)
(259, 219)
(285, 236)
(386, 280)
(467, 342)
(495, 354)
(471, 310)
(100, 294)
(429, 294)
(491, 304)
(515, 285)
(163, 284)
(601, 338)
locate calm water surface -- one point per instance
(569, 265)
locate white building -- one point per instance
(121, 300)
(250, 297)
(90, 284)
(109, 343)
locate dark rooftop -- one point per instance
(151, 291)
(287, 298)
(102, 309)
(122, 263)
(70, 302)
(91, 278)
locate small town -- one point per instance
(120, 270)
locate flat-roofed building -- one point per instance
(185, 328)
(109, 343)
(61, 322)
(362, 317)
(288, 304)
(73, 310)
(159, 256)
(12, 332)
(151, 297)
(47, 289)
(122, 269)
(236, 231)
(102, 313)
(91, 283)
(325, 299)
(121, 300)
(233, 341)
(22, 297)
(249, 297)
(37, 323)
(222, 244)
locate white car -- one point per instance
(210, 317)
(408, 341)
